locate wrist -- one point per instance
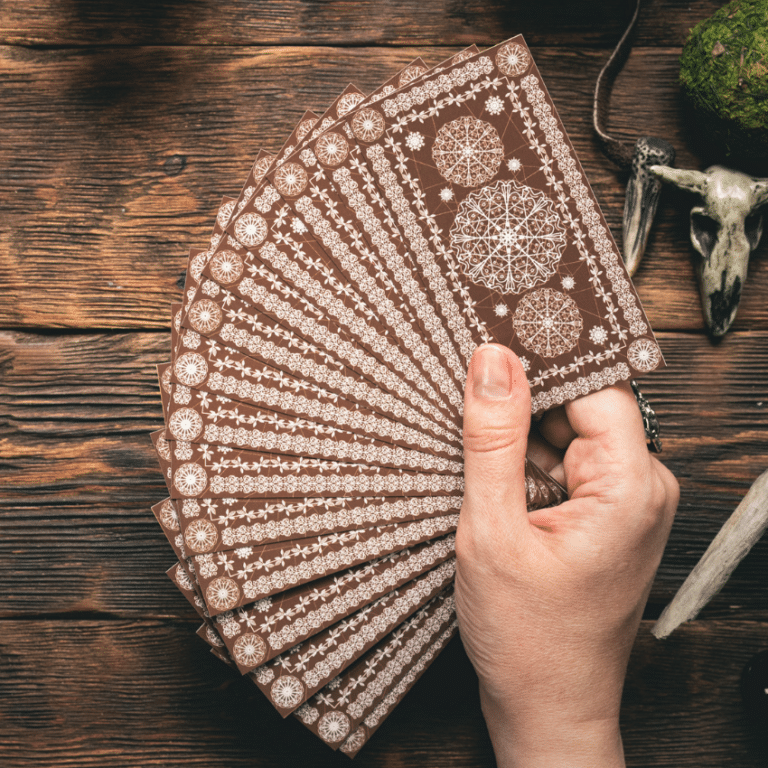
(545, 739)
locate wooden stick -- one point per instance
(742, 529)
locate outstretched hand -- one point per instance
(549, 602)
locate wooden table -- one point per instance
(121, 126)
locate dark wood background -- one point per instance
(122, 123)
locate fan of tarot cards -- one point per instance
(313, 403)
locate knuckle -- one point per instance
(465, 549)
(490, 438)
(671, 488)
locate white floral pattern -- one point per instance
(355, 741)
(467, 151)
(548, 322)
(249, 650)
(331, 149)
(409, 74)
(226, 267)
(169, 518)
(348, 102)
(224, 214)
(251, 229)
(333, 726)
(162, 447)
(222, 594)
(201, 535)
(508, 237)
(205, 316)
(290, 179)
(185, 424)
(354, 553)
(414, 141)
(287, 692)
(305, 126)
(190, 480)
(367, 125)
(598, 334)
(513, 59)
(644, 355)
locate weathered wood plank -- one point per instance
(574, 23)
(78, 472)
(149, 693)
(97, 215)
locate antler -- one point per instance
(740, 532)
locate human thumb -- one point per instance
(497, 416)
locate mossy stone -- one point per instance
(724, 77)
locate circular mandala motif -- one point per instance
(190, 369)
(201, 535)
(547, 322)
(225, 213)
(305, 126)
(169, 517)
(182, 579)
(190, 479)
(290, 179)
(163, 448)
(213, 636)
(185, 424)
(409, 74)
(166, 380)
(512, 59)
(331, 149)
(197, 265)
(222, 594)
(644, 355)
(287, 691)
(348, 102)
(355, 741)
(260, 167)
(333, 726)
(508, 237)
(368, 125)
(226, 267)
(250, 650)
(251, 229)
(205, 316)
(468, 151)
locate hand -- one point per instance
(549, 602)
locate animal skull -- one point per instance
(725, 230)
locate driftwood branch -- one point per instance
(740, 532)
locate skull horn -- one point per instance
(690, 181)
(724, 230)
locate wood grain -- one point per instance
(79, 473)
(575, 23)
(122, 125)
(149, 693)
(101, 211)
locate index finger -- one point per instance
(610, 417)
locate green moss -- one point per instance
(724, 76)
